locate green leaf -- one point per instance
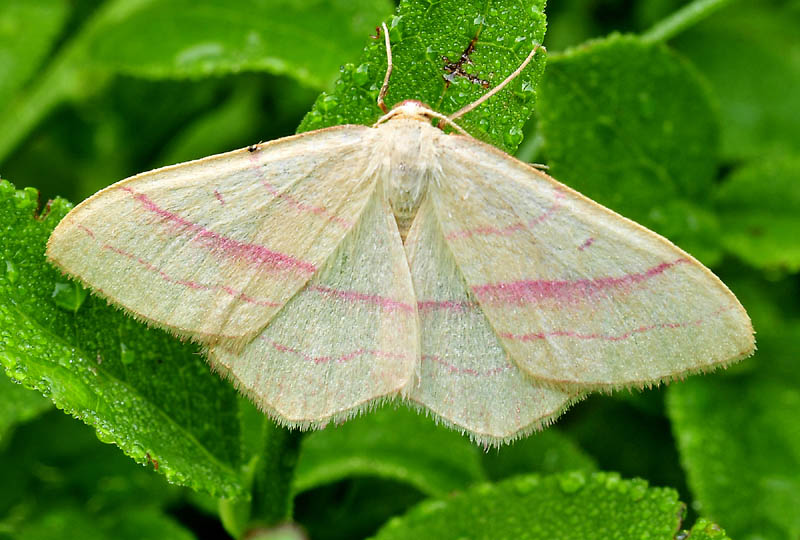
(138, 36)
(77, 523)
(62, 523)
(213, 131)
(79, 471)
(759, 208)
(545, 452)
(705, 530)
(605, 426)
(66, 76)
(572, 505)
(756, 85)
(191, 38)
(422, 33)
(354, 508)
(145, 525)
(27, 32)
(18, 405)
(149, 394)
(738, 434)
(631, 126)
(395, 443)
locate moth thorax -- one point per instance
(407, 169)
(407, 186)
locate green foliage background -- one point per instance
(683, 116)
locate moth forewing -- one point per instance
(212, 249)
(580, 297)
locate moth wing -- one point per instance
(466, 377)
(212, 249)
(348, 338)
(579, 296)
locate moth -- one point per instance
(336, 269)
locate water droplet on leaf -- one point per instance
(429, 507)
(12, 274)
(104, 436)
(26, 198)
(327, 103)
(69, 296)
(396, 28)
(572, 481)
(313, 119)
(361, 75)
(513, 136)
(638, 490)
(527, 92)
(127, 356)
(526, 484)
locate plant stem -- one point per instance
(682, 19)
(272, 482)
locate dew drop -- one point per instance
(638, 490)
(429, 507)
(572, 481)
(526, 484)
(104, 436)
(394, 523)
(361, 75)
(26, 198)
(513, 136)
(20, 372)
(127, 356)
(346, 72)
(328, 103)
(527, 92)
(69, 296)
(396, 28)
(137, 452)
(484, 489)
(614, 481)
(313, 119)
(518, 42)
(12, 273)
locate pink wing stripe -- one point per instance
(606, 337)
(355, 296)
(564, 290)
(589, 241)
(449, 305)
(186, 283)
(464, 371)
(351, 296)
(341, 359)
(240, 250)
(508, 230)
(302, 207)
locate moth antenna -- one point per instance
(478, 102)
(385, 87)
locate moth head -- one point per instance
(413, 108)
(417, 110)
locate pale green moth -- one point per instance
(339, 268)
